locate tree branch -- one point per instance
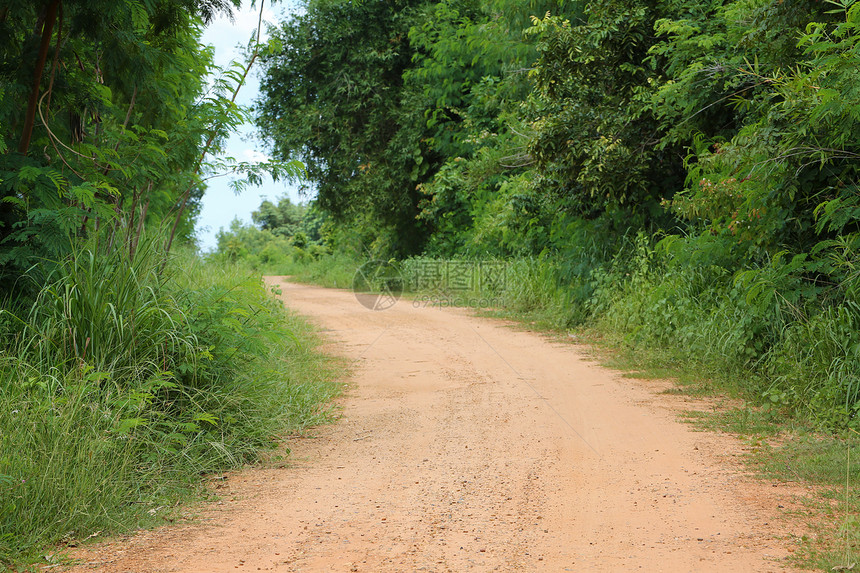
(187, 194)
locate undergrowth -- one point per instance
(335, 270)
(124, 381)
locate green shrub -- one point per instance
(816, 366)
(534, 287)
(113, 314)
(317, 265)
(678, 295)
(127, 379)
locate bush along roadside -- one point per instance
(126, 379)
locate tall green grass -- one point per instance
(336, 270)
(693, 308)
(118, 315)
(816, 366)
(124, 380)
(534, 289)
(788, 343)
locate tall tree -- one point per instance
(597, 142)
(468, 85)
(332, 95)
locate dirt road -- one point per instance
(467, 445)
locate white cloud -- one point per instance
(229, 38)
(246, 19)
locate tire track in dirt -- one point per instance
(466, 445)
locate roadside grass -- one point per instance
(334, 270)
(834, 467)
(284, 349)
(124, 383)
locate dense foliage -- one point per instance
(108, 122)
(335, 100)
(128, 380)
(682, 172)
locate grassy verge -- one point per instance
(125, 381)
(334, 270)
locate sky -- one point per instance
(220, 204)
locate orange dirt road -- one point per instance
(467, 445)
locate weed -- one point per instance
(121, 384)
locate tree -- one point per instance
(101, 107)
(739, 91)
(597, 141)
(468, 85)
(332, 96)
(284, 219)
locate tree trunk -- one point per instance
(30, 117)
